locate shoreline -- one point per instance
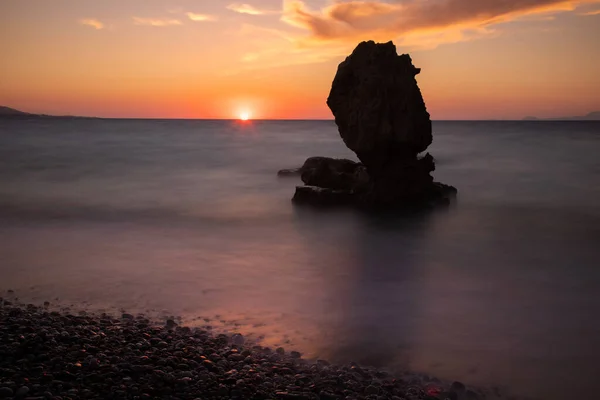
(57, 355)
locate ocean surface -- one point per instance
(188, 218)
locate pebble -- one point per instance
(371, 390)
(88, 356)
(237, 339)
(171, 324)
(235, 357)
(22, 391)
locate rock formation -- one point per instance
(381, 116)
(378, 106)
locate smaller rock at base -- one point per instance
(295, 354)
(6, 392)
(289, 172)
(127, 316)
(280, 350)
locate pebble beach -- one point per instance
(55, 355)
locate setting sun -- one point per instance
(245, 116)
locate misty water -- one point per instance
(188, 218)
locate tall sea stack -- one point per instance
(381, 116)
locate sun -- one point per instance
(244, 116)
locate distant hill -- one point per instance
(593, 116)
(7, 111)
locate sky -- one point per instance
(480, 59)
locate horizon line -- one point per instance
(43, 116)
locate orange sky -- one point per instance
(276, 59)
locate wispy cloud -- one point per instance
(244, 8)
(273, 48)
(201, 17)
(160, 22)
(94, 23)
(590, 13)
(330, 33)
(443, 21)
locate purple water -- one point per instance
(188, 218)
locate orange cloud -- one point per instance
(590, 13)
(200, 17)
(94, 23)
(160, 22)
(446, 20)
(247, 9)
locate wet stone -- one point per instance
(371, 390)
(58, 356)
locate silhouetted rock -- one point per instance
(329, 180)
(382, 117)
(337, 174)
(378, 106)
(316, 162)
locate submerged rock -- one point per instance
(322, 196)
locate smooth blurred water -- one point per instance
(189, 218)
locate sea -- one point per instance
(188, 219)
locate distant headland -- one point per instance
(7, 112)
(593, 116)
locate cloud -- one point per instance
(589, 13)
(331, 32)
(440, 21)
(201, 17)
(243, 8)
(161, 22)
(94, 23)
(279, 57)
(268, 48)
